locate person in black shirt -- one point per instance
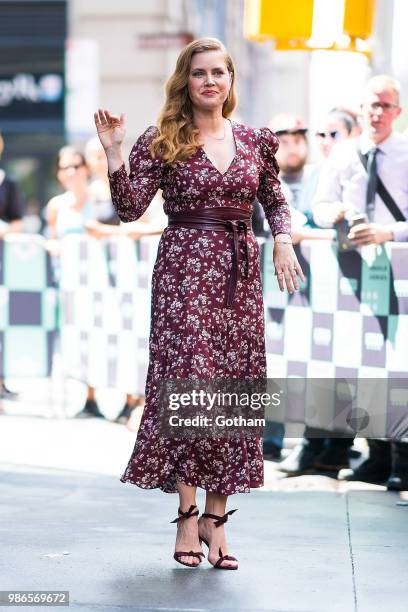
(11, 202)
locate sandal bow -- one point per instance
(219, 520)
(185, 515)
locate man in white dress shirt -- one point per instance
(345, 186)
(344, 181)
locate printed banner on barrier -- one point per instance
(349, 319)
(105, 310)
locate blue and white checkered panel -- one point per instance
(82, 263)
(375, 281)
(147, 253)
(347, 339)
(28, 307)
(147, 256)
(273, 297)
(349, 320)
(397, 343)
(106, 319)
(297, 342)
(129, 376)
(399, 280)
(324, 277)
(122, 262)
(354, 316)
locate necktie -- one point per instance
(372, 183)
(295, 189)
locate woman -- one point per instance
(69, 212)
(207, 310)
(338, 125)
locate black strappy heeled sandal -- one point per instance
(220, 520)
(178, 553)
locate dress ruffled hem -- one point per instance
(224, 491)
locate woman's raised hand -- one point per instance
(111, 128)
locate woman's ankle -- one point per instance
(185, 507)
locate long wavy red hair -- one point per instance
(177, 138)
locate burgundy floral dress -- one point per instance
(193, 334)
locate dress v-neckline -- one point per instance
(222, 174)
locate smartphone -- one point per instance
(343, 228)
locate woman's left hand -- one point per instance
(287, 267)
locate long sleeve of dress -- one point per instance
(269, 191)
(132, 194)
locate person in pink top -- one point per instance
(207, 309)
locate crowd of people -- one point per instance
(359, 154)
(84, 206)
(359, 182)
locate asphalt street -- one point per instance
(307, 544)
(110, 545)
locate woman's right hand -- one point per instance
(111, 129)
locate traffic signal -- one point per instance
(279, 19)
(359, 18)
(299, 24)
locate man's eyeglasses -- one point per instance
(69, 166)
(332, 135)
(385, 106)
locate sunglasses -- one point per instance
(73, 166)
(327, 134)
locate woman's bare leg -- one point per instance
(215, 536)
(187, 529)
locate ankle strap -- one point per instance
(186, 515)
(219, 520)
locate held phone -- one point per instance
(343, 228)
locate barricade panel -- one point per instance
(28, 307)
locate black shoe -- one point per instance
(396, 483)
(271, 451)
(353, 453)
(369, 471)
(90, 410)
(398, 480)
(124, 414)
(332, 459)
(6, 394)
(300, 461)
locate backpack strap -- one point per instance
(384, 193)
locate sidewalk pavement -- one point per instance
(110, 545)
(307, 544)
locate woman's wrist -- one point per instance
(115, 158)
(282, 238)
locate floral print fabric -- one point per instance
(193, 334)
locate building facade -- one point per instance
(32, 58)
(60, 60)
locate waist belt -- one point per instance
(224, 219)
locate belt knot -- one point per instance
(221, 219)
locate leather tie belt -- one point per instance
(228, 219)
